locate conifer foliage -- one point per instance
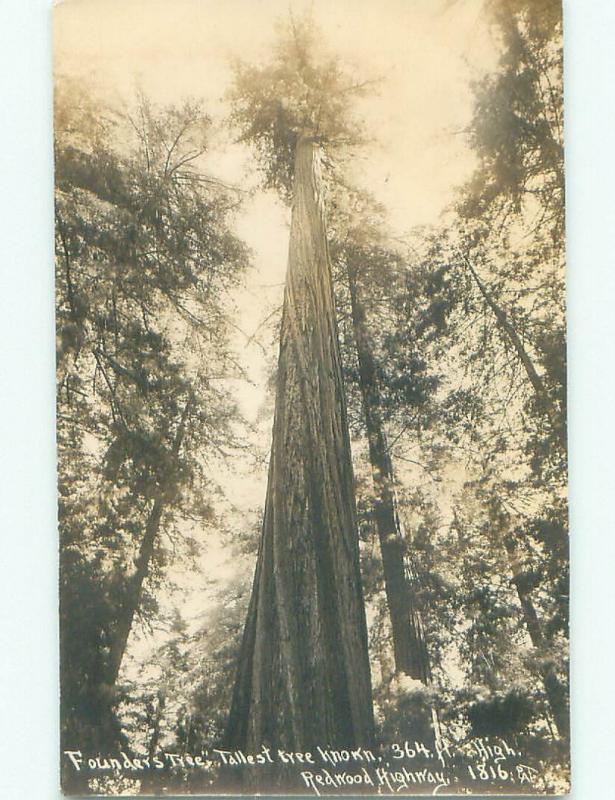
(145, 259)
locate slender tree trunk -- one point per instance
(408, 640)
(555, 417)
(303, 677)
(132, 598)
(409, 647)
(555, 691)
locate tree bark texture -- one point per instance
(409, 647)
(303, 678)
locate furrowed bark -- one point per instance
(303, 676)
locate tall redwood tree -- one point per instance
(303, 676)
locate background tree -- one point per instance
(493, 326)
(370, 269)
(144, 261)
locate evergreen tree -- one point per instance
(144, 261)
(303, 676)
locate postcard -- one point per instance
(311, 397)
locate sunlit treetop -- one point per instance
(303, 90)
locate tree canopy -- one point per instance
(145, 262)
(303, 90)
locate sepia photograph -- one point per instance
(311, 397)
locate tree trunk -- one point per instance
(146, 551)
(408, 640)
(133, 594)
(303, 677)
(554, 689)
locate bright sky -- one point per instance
(426, 53)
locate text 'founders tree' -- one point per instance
(303, 676)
